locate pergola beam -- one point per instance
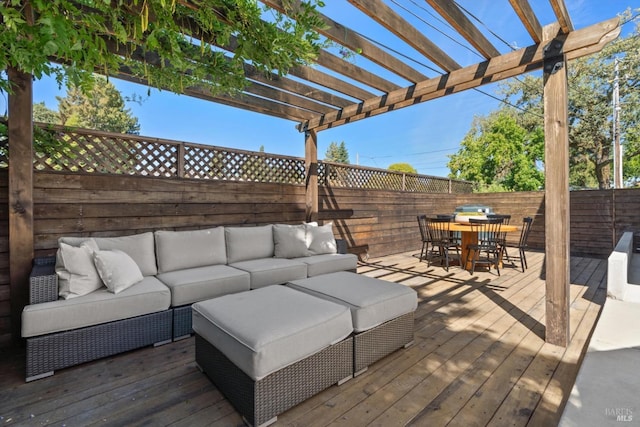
(560, 9)
(528, 18)
(385, 16)
(357, 43)
(578, 43)
(458, 20)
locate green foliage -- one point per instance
(402, 167)
(590, 111)
(86, 35)
(499, 154)
(43, 114)
(337, 153)
(102, 108)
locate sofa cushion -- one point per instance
(290, 241)
(117, 270)
(329, 263)
(202, 283)
(272, 271)
(321, 240)
(177, 250)
(265, 330)
(77, 274)
(101, 306)
(245, 243)
(372, 301)
(140, 247)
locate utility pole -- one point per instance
(617, 148)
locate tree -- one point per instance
(43, 114)
(337, 153)
(102, 108)
(590, 110)
(500, 154)
(402, 167)
(109, 36)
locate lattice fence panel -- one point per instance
(214, 163)
(84, 152)
(426, 184)
(89, 151)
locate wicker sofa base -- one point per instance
(51, 352)
(182, 318)
(260, 402)
(375, 343)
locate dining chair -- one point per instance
(488, 249)
(441, 241)
(503, 235)
(522, 245)
(455, 235)
(424, 236)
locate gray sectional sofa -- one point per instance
(105, 295)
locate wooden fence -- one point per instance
(93, 192)
(374, 222)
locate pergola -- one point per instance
(318, 101)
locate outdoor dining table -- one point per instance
(470, 237)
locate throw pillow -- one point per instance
(76, 272)
(321, 240)
(290, 241)
(117, 269)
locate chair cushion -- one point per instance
(272, 271)
(290, 241)
(117, 270)
(177, 250)
(329, 263)
(77, 274)
(140, 247)
(372, 301)
(201, 283)
(321, 240)
(265, 330)
(101, 306)
(244, 243)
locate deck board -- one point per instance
(479, 358)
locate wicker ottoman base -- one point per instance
(260, 402)
(375, 343)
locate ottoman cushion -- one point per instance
(372, 301)
(265, 330)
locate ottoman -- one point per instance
(271, 348)
(382, 311)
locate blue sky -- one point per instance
(421, 135)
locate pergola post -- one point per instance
(311, 181)
(556, 192)
(21, 245)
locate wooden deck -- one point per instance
(479, 358)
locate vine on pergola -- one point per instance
(171, 44)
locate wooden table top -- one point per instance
(465, 226)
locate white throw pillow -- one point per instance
(76, 272)
(290, 241)
(321, 240)
(117, 269)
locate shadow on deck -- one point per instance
(479, 359)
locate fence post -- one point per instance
(181, 160)
(404, 182)
(450, 186)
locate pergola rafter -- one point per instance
(317, 100)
